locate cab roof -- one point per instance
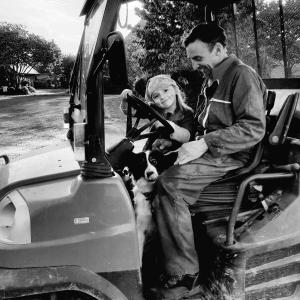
(212, 4)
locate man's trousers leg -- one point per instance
(177, 189)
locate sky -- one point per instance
(56, 20)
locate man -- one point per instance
(229, 125)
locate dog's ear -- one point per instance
(170, 158)
(129, 159)
(164, 161)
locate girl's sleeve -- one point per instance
(188, 122)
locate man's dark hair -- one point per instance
(207, 33)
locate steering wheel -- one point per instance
(144, 111)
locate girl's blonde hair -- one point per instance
(155, 82)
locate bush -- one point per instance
(24, 90)
(11, 90)
(42, 84)
(31, 89)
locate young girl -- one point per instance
(164, 95)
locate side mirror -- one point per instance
(117, 64)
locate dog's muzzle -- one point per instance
(151, 176)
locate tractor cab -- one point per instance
(67, 224)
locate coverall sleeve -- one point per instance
(249, 112)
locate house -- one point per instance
(32, 76)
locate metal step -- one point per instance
(295, 296)
(273, 270)
(281, 288)
(278, 279)
(283, 261)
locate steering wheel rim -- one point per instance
(145, 111)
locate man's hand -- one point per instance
(180, 134)
(161, 144)
(190, 151)
(157, 124)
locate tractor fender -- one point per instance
(33, 281)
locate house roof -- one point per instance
(32, 71)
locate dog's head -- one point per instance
(149, 164)
(142, 169)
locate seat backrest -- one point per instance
(276, 137)
(257, 152)
(285, 116)
(270, 101)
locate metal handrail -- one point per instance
(5, 157)
(240, 196)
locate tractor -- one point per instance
(67, 225)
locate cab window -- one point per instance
(266, 35)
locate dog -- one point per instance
(140, 174)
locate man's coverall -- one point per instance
(232, 122)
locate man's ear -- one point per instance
(218, 48)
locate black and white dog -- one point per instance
(143, 170)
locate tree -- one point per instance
(135, 54)
(268, 31)
(268, 16)
(68, 62)
(21, 51)
(159, 40)
(161, 37)
(49, 60)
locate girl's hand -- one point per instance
(124, 94)
(124, 103)
(190, 151)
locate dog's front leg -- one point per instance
(143, 220)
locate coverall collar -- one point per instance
(220, 69)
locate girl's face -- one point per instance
(165, 98)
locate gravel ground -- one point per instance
(35, 121)
(31, 122)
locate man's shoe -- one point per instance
(187, 286)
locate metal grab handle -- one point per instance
(240, 195)
(5, 157)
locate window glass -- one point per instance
(275, 51)
(115, 119)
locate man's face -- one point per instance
(203, 59)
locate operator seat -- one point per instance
(224, 198)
